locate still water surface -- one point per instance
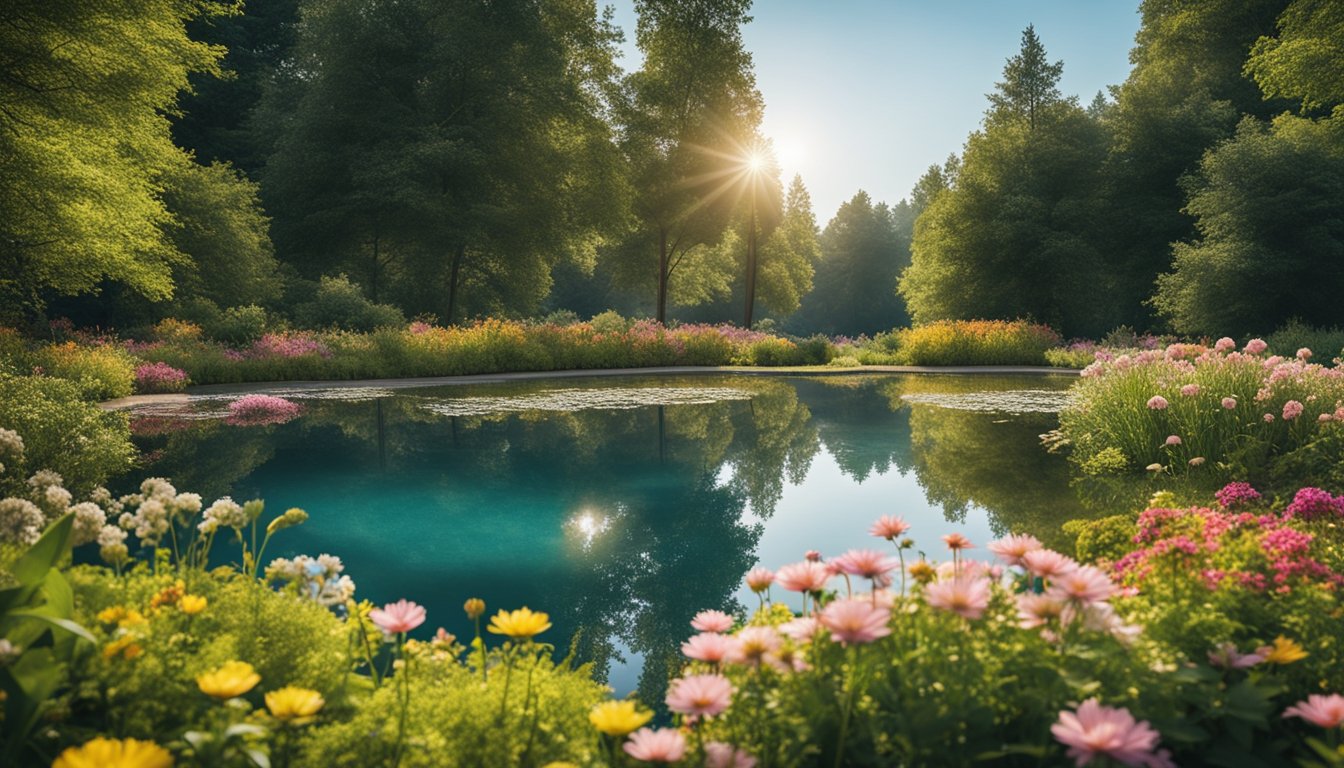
(624, 506)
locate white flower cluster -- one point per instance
(318, 579)
(225, 513)
(21, 522)
(48, 491)
(157, 505)
(90, 519)
(11, 448)
(149, 521)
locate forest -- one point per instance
(357, 162)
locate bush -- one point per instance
(976, 342)
(159, 378)
(239, 326)
(63, 432)
(339, 303)
(101, 371)
(1079, 354)
(1295, 335)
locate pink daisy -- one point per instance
(1083, 584)
(720, 755)
(955, 542)
(712, 621)
(1321, 711)
(760, 579)
(1096, 731)
(755, 645)
(966, 597)
(700, 695)
(888, 527)
(1047, 563)
(855, 621)
(866, 563)
(398, 617)
(662, 746)
(1011, 549)
(806, 576)
(708, 646)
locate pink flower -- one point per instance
(1083, 584)
(1047, 563)
(888, 527)
(812, 556)
(1224, 344)
(1291, 410)
(700, 695)
(261, 410)
(398, 617)
(1011, 549)
(963, 596)
(1256, 346)
(708, 646)
(806, 576)
(1035, 610)
(720, 755)
(1269, 417)
(760, 579)
(855, 621)
(866, 563)
(712, 621)
(1304, 354)
(1229, 403)
(1190, 390)
(1096, 731)
(1173, 440)
(1228, 657)
(755, 645)
(1321, 711)
(1157, 403)
(800, 630)
(662, 746)
(955, 542)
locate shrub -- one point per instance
(157, 378)
(175, 331)
(63, 432)
(239, 326)
(1078, 354)
(339, 303)
(1295, 335)
(609, 322)
(976, 342)
(101, 371)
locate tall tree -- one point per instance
(456, 151)
(861, 255)
(84, 143)
(689, 118)
(1030, 82)
(790, 255)
(1305, 62)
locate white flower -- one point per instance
(187, 504)
(158, 488)
(55, 501)
(44, 479)
(224, 513)
(150, 521)
(111, 534)
(89, 522)
(21, 522)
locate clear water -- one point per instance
(623, 506)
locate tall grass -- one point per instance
(962, 342)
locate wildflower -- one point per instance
(760, 579)
(1269, 418)
(1096, 731)
(1256, 346)
(125, 646)
(289, 519)
(114, 753)
(812, 556)
(1154, 467)
(956, 542)
(1283, 651)
(1190, 390)
(1224, 344)
(1035, 610)
(1047, 563)
(800, 630)
(1291, 410)
(474, 608)
(712, 621)
(295, 706)
(922, 571)
(401, 616)
(866, 563)
(1173, 440)
(755, 645)
(1227, 656)
(192, 604)
(1196, 461)
(888, 527)
(88, 523)
(708, 646)
(231, 680)
(967, 597)
(1321, 711)
(1157, 403)
(803, 577)
(1236, 494)
(1229, 403)
(855, 621)
(1304, 354)
(721, 755)
(700, 695)
(661, 746)
(617, 718)
(521, 624)
(21, 522)
(1083, 584)
(1012, 549)
(224, 513)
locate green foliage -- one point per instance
(1306, 60)
(975, 342)
(1324, 343)
(241, 326)
(790, 254)
(101, 371)
(1067, 357)
(339, 303)
(1105, 539)
(862, 252)
(61, 431)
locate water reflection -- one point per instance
(624, 508)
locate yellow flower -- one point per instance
(112, 615)
(560, 764)
(192, 604)
(132, 618)
(233, 679)
(617, 718)
(922, 571)
(1284, 651)
(124, 646)
(115, 753)
(294, 705)
(474, 608)
(169, 595)
(519, 624)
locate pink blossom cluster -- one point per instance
(287, 346)
(159, 377)
(1234, 495)
(1314, 504)
(261, 410)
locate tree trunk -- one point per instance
(373, 280)
(751, 266)
(454, 277)
(663, 259)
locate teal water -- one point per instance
(623, 506)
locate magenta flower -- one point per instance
(700, 695)
(1011, 549)
(1096, 731)
(708, 646)
(720, 755)
(712, 621)
(760, 579)
(806, 576)
(398, 617)
(261, 410)
(888, 527)
(963, 596)
(955, 542)
(1229, 403)
(1157, 403)
(1227, 656)
(1256, 346)
(866, 563)
(1083, 584)
(662, 746)
(1291, 410)
(1047, 563)
(855, 621)
(1236, 494)
(1320, 711)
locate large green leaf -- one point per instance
(42, 614)
(32, 568)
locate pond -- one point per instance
(622, 506)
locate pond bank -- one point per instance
(494, 378)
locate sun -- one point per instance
(791, 151)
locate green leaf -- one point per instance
(32, 568)
(67, 625)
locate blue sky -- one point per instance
(866, 94)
